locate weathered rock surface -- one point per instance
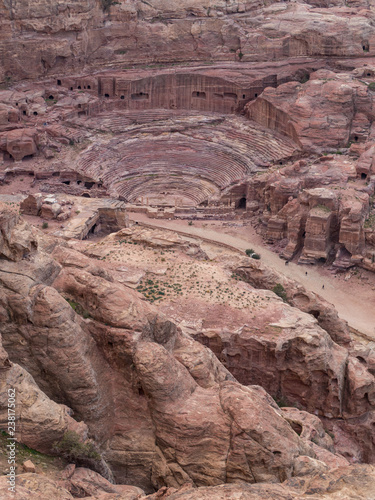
(264, 277)
(77, 341)
(16, 240)
(40, 421)
(162, 31)
(85, 482)
(351, 483)
(312, 207)
(28, 466)
(34, 486)
(227, 419)
(19, 143)
(320, 114)
(162, 409)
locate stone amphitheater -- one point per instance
(174, 139)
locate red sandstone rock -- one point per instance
(34, 486)
(89, 483)
(42, 422)
(317, 114)
(351, 483)
(20, 142)
(220, 34)
(50, 211)
(16, 240)
(232, 410)
(32, 204)
(189, 393)
(262, 277)
(28, 466)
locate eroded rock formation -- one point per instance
(133, 367)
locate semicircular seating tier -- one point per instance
(178, 159)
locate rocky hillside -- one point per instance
(41, 39)
(90, 358)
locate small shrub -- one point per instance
(282, 402)
(78, 308)
(44, 225)
(190, 223)
(323, 208)
(72, 448)
(106, 4)
(255, 256)
(371, 86)
(249, 252)
(279, 290)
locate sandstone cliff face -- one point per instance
(326, 113)
(320, 208)
(87, 34)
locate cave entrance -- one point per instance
(316, 314)
(140, 96)
(241, 203)
(363, 176)
(199, 95)
(92, 230)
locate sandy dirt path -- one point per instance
(354, 300)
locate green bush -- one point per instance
(249, 252)
(78, 308)
(371, 86)
(44, 225)
(255, 256)
(279, 290)
(106, 4)
(281, 402)
(72, 448)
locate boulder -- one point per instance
(32, 204)
(28, 466)
(20, 142)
